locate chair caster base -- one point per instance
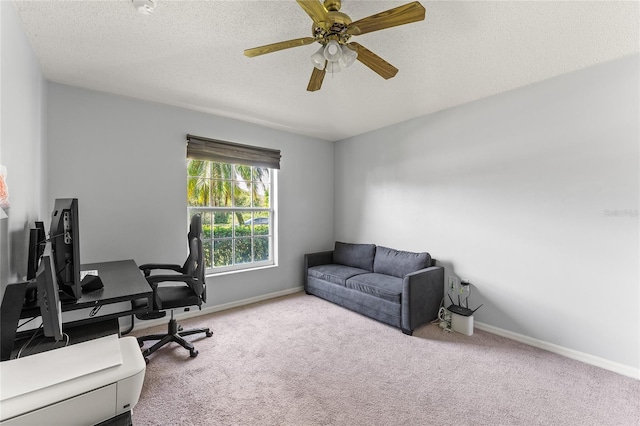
(193, 354)
(209, 333)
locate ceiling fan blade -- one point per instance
(316, 79)
(378, 65)
(257, 51)
(315, 10)
(405, 14)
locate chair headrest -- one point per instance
(195, 228)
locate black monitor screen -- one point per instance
(48, 298)
(65, 245)
(37, 239)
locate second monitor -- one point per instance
(65, 246)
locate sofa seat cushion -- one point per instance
(399, 263)
(383, 286)
(334, 273)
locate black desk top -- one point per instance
(122, 280)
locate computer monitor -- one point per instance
(37, 240)
(65, 247)
(48, 297)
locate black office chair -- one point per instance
(192, 292)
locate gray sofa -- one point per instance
(399, 288)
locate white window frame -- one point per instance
(272, 240)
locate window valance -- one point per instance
(200, 148)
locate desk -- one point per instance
(123, 282)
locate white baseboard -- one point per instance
(625, 370)
(140, 325)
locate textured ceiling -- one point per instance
(190, 54)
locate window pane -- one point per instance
(243, 173)
(242, 194)
(222, 231)
(243, 250)
(222, 225)
(261, 248)
(222, 218)
(207, 226)
(198, 191)
(206, 247)
(261, 174)
(222, 171)
(260, 195)
(261, 223)
(222, 252)
(206, 237)
(221, 190)
(196, 168)
(242, 224)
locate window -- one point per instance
(236, 203)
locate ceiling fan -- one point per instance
(333, 30)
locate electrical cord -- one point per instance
(65, 335)
(66, 343)
(437, 320)
(444, 318)
(29, 341)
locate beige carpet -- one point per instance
(299, 360)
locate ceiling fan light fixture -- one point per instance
(333, 67)
(348, 57)
(332, 51)
(317, 59)
(145, 7)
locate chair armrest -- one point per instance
(155, 279)
(316, 259)
(422, 294)
(148, 267)
(193, 283)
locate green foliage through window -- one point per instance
(235, 203)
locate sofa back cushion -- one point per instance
(354, 255)
(399, 263)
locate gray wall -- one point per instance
(532, 195)
(22, 136)
(124, 160)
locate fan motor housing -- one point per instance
(335, 29)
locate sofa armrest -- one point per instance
(315, 259)
(422, 294)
